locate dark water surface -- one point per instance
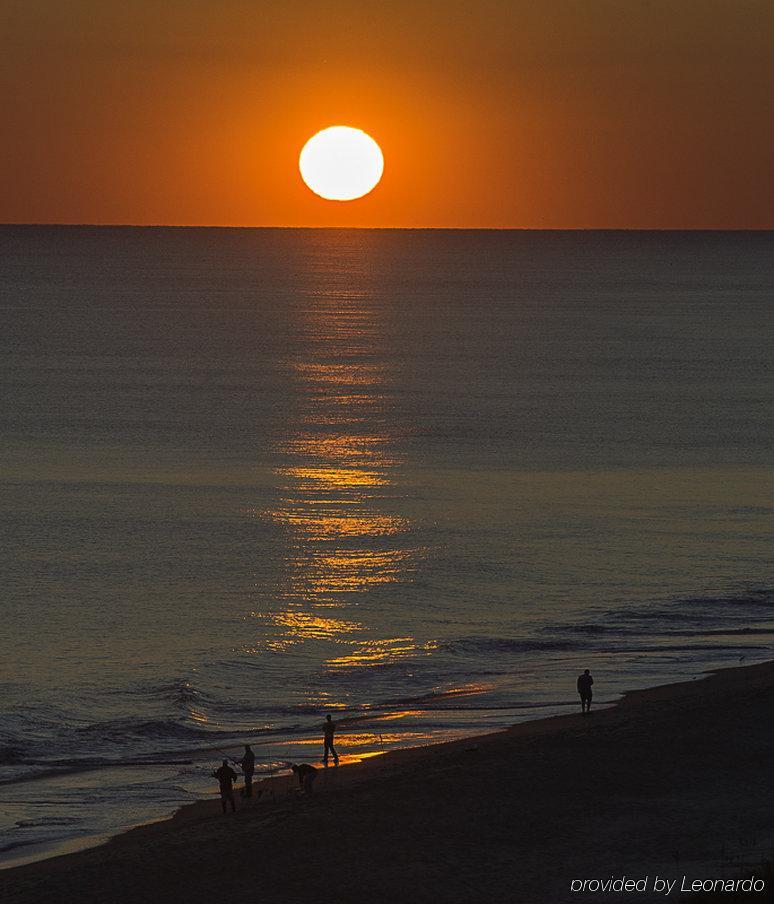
(422, 478)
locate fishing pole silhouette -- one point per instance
(228, 757)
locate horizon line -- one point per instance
(398, 228)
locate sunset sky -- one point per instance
(496, 113)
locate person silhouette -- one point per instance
(306, 776)
(248, 768)
(226, 778)
(584, 689)
(329, 727)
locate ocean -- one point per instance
(418, 479)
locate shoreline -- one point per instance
(40, 852)
(677, 723)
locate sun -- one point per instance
(341, 163)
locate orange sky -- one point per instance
(520, 113)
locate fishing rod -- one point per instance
(126, 763)
(228, 757)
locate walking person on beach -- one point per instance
(226, 778)
(248, 768)
(584, 689)
(328, 730)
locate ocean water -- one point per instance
(416, 479)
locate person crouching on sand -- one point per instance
(226, 778)
(306, 776)
(584, 689)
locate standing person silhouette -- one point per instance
(226, 778)
(584, 689)
(248, 767)
(328, 730)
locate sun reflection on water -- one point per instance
(325, 575)
(340, 446)
(336, 477)
(322, 526)
(320, 376)
(381, 652)
(307, 625)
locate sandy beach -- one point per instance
(672, 782)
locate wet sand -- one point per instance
(674, 781)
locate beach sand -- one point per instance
(672, 781)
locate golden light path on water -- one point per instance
(337, 475)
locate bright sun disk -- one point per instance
(341, 163)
